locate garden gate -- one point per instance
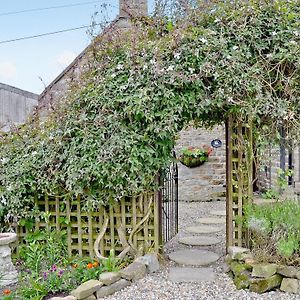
(168, 203)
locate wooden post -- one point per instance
(239, 178)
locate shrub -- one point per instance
(275, 230)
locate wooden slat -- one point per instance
(90, 235)
(68, 216)
(79, 229)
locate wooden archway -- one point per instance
(239, 178)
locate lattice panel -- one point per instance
(134, 217)
(239, 139)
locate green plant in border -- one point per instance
(281, 184)
(278, 222)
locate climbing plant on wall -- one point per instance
(112, 133)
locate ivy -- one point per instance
(113, 132)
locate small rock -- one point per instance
(108, 290)
(264, 270)
(87, 289)
(108, 278)
(290, 285)
(134, 271)
(287, 271)
(238, 268)
(234, 251)
(151, 262)
(262, 285)
(242, 281)
(244, 256)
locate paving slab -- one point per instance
(199, 240)
(194, 257)
(211, 220)
(191, 274)
(203, 229)
(218, 212)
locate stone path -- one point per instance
(199, 240)
(211, 220)
(203, 229)
(197, 258)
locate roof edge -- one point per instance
(19, 91)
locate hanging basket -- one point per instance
(194, 157)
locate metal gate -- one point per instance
(168, 203)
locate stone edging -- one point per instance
(111, 282)
(261, 277)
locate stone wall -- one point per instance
(206, 182)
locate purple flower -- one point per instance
(54, 268)
(60, 273)
(45, 275)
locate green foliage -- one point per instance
(279, 223)
(46, 269)
(43, 249)
(282, 184)
(111, 135)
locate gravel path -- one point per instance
(158, 287)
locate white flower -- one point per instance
(274, 33)
(4, 160)
(296, 33)
(191, 70)
(293, 42)
(177, 55)
(152, 61)
(145, 67)
(235, 48)
(217, 20)
(120, 67)
(203, 40)
(170, 68)
(34, 153)
(113, 75)
(269, 55)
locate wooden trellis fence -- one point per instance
(133, 225)
(130, 225)
(239, 181)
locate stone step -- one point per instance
(194, 257)
(203, 229)
(218, 212)
(199, 240)
(191, 274)
(211, 220)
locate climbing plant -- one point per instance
(113, 132)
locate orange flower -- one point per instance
(95, 264)
(89, 265)
(7, 292)
(74, 266)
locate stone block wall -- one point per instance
(206, 182)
